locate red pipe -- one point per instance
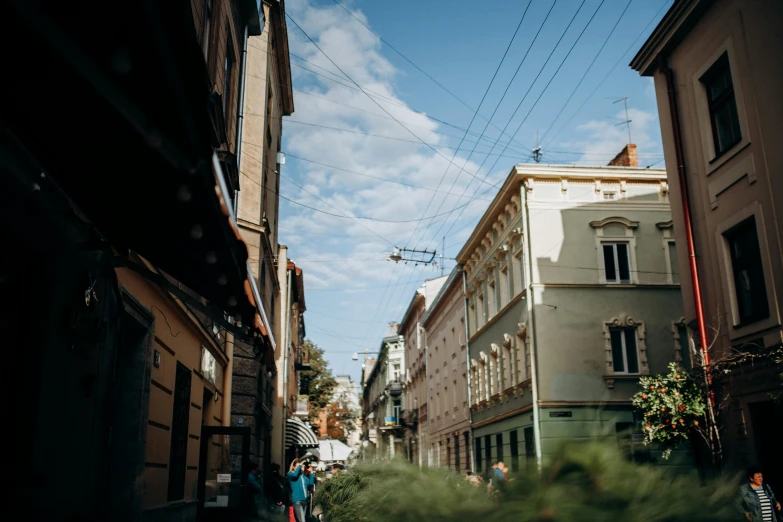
(684, 196)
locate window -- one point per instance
(499, 443)
(478, 454)
(488, 449)
(514, 450)
(504, 290)
(396, 372)
(208, 366)
(481, 313)
(673, 266)
(454, 395)
(722, 105)
(519, 280)
(530, 443)
(617, 266)
(228, 69)
(206, 28)
(397, 410)
(749, 285)
(625, 356)
(456, 452)
(684, 347)
(610, 195)
(492, 300)
(466, 436)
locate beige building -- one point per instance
(718, 72)
(571, 298)
(414, 399)
(447, 428)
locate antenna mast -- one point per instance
(627, 121)
(537, 151)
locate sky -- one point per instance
(385, 148)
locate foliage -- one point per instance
(317, 382)
(673, 406)
(580, 483)
(340, 419)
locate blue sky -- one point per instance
(409, 168)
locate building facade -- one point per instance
(382, 398)
(414, 388)
(447, 431)
(571, 298)
(127, 340)
(717, 72)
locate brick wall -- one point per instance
(626, 158)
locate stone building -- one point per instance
(120, 287)
(382, 397)
(571, 297)
(718, 73)
(447, 430)
(414, 401)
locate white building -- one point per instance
(346, 394)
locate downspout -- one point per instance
(674, 114)
(286, 347)
(240, 115)
(467, 366)
(228, 379)
(531, 338)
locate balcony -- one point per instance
(302, 407)
(410, 418)
(302, 362)
(394, 388)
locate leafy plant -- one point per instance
(580, 483)
(317, 382)
(673, 407)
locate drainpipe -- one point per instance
(240, 114)
(287, 339)
(531, 338)
(228, 379)
(467, 366)
(674, 114)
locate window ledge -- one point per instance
(609, 379)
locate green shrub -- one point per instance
(581, 483)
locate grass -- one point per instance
(583, 482)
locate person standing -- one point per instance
(757, 500)
(302, 478)
(277, 490)
(253, 489)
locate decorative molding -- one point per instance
(507, 340)
(624, 321)
(494, 350)
(598, 186)
(665, 225)
(627, 223)
(522, 330)
(483, 358)
(564, 186)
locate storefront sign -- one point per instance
(559, 413)
(224, 478)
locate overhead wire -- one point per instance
(543, 90)
(473, 118)
(608, 74)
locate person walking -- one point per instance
(302, 478)
(757, 500)
(254, 489)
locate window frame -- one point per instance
(736, 327)
(717, 70)
(624, 331)
(616, 260)
(677, 335)
(623, 321)
(730, 47)
(601, 238)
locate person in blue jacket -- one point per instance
(301, 478)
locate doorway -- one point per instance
(222, 474)
(766, 419)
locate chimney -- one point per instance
(626, 158)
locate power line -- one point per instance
(606, 40)
(371, 98)
(473, 118)
(530, 88)
(630, 48)
(541, 27)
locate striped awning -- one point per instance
(299, 434)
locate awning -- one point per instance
(332, 450)
(298, 434)
(115, 111)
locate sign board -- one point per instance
(240, 421)
(560, 413)
(224, 478)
